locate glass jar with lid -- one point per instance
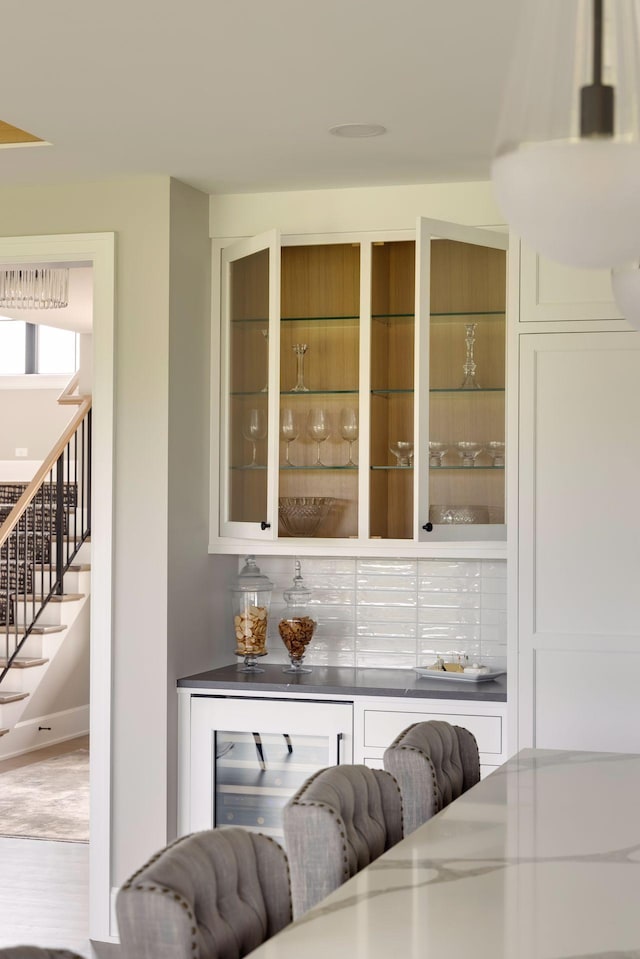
(296, 627)
(250, 600)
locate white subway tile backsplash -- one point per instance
(395, 613)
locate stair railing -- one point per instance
(43, 525)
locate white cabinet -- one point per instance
(241, 757)
(378, 722)
(579, 541)
(553, 292)
(372, 345)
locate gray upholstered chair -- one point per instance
(36, 952)
(340, 820)
(216, 894)
(434, 763)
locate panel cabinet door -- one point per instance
(579, 547)
(250, 296)
(551, 291)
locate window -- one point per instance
(35, 348)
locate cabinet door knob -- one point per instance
(264, 525)
(428, 527)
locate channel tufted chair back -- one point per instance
(36, 952)
(434, 763)
(216, 894)
(340, 820)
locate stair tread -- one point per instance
(79, 568)
(7, 696)
(23, 662)
(65, 598)
(3, 732)
(43, 630)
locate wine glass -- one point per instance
(288, 431)
(254, 427)
(318, 429)
(495, 449)
(436, 452)
(468, 451)
(300, 349)
(349, 430)
(403, 452)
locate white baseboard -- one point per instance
(113, 925)
(26, 736)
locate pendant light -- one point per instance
(566, 173)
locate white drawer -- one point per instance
(382, 727)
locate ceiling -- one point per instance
(237, 96)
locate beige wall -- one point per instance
(31, 419)
(366, 208)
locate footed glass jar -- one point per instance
(296, 626)
(250, 600)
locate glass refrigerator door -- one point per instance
(250, 756)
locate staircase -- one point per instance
(44, 565)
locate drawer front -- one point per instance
(382, 727)
(377, 763)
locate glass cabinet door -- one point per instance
(319, 391)
(463, 291)
(249, 288)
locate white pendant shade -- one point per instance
(626, 290)
(577, 202)
(566, 171)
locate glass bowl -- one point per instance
(458, 515)
(302, 515)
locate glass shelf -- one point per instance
(318, 392)
(391, 392)
(319, 319)
(249, 469)
(468, 469)
(473, 392)
(314, 466)
(404, 469)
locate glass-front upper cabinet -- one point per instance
(319, 419)
(363, 389)
(462, 294)
(250, 311)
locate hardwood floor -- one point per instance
(44, 894)
(44, 885)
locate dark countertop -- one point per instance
(345, 681)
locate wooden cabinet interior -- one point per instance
(320, 308)
(468, 286)
(393, 331)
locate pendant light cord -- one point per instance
(596, 99)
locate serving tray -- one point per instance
(459, 677)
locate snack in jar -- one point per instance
(296, 627)
(250, 600)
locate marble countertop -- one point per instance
(338, 680)
(540, 860)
